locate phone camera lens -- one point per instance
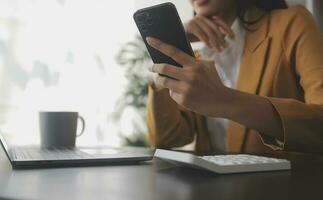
(144, 28)
(149, 21)
(140, 18)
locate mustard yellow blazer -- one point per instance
(283, 61)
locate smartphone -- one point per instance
(162, 22)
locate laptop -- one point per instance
(28, 157)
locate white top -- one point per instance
(227, 64)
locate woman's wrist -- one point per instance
(250, 110)
(225, 107)
(235, 103)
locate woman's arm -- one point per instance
(255, 112)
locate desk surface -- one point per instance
(160, 180)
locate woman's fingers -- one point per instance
(169, 70)
(154, 85)
(211, 35)
(199, 33)
(171, 51)
(213, 32)
(166, 82)
(224, 27)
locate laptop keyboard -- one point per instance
(44, 154)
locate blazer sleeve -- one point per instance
(302, 122)
(169, 125)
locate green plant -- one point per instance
(134, 57)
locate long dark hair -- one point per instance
(266, 5)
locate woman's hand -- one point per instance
(211, 32)
(196, 86)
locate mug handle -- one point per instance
(83, 126)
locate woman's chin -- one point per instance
(206, 12)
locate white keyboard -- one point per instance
(226, 164)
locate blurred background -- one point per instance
(78, 55)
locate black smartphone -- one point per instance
(162, 22)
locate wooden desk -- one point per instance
(160, 180)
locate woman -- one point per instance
(259, 91)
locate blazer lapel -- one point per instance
(252, 66)
(254, 56)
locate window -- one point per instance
(61, 55)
